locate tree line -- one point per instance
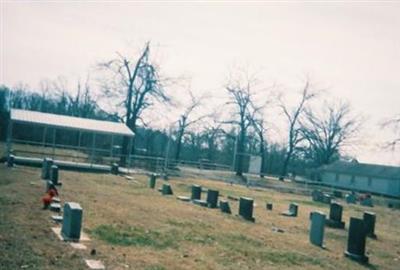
(316, 135)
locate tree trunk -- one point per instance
(239, 153)
(178, 145)
(285, 165)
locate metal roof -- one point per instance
(364, 169)
(70, 122)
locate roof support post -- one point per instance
(54, 142)
(44, 138)
(112, 145)
(129, 152)
(9, 136)
(93, 146)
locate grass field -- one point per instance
(134, 227)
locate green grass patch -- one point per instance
(135, 236)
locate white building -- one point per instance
(364, 177)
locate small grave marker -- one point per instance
(317, 228)
(183, 198)
(196, 192)
(335, 216)
(367, 202)
(212, 198)
(369, 221)
(350, 198)
(152, 180)
(10, 161)
(166, 189)
(46, 165)
(72, 221)
(54, 174)
(55, 207)
(224, 206)
(356, 241)
(317, 195)
(326, 198)
(293, 210)
(269, 206)
(337, 194)
(200, 202)
(246, 208)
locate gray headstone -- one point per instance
(351, 198)
(246, 208)
(269, 206)
(72, 221)
(317, 195)
(55, 207)
(335, 216)
(152, 180)
(114, 168)
(212, 198)
(337, 194)
(196, 192)
(224, 206)
(54, 174)
(369, 221)
(367, 202)
(10, 160)
(166, 189)
(326, 198)
(317, 228)
(293, 210)
(356, 241)
(46, 165)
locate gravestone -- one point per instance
(55, 207)
(212, 198)
(369, 221)
(46, 165)
(337, 194)
(293, 210)
(224, 206)
(72, 221)
(326, 198)
(54, 174)
(49, 184)
(200, 202)
(317, 228)
(356, 241)
(351, 198)
(196, 192)
(10, 161)
(269, 206)
(183, 198)
(317, 195)
(114, 168)
(152, 180)
(246, 208)
(166, 189)
(335, 216)
(367, 202)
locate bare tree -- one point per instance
(393, 124)
(293, 116)
(185, 121)
(241, 97)
(210, 135)
(137, 85)
(326, 134)
(260, 130)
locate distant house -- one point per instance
(364, 177)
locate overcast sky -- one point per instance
(352, 49)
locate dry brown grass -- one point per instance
(165, 233)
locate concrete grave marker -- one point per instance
(212, 198)
(114, 168)
(55, 200)
(246, 208)
(57, 218)
(152, 180)
(10, 161)
(317, 228)
(95, 264)
(269, 206)
(369, 221)
(196, 192)
(46, 165)
(293, 210)
(351, 198)
(166, 189)
(55, 207)
(72, 221)
(200, 202)
(183, 198)
(224, 206)
(335, 216)
(356, 241)
(54, 174)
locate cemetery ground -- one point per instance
(134, 227)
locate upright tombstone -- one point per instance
(246, 208)
(269, 206)
(293, 210)
(350, 198)
(224, 206)
(72, 221)
(326, 198)
(356, 241)
(10, 161)
(337, 194)
(152, 181)
(317, 228)
(196, 192)
(317, 195)
(212, 198)
(367, 202)
(335, 216)
(54, 174)
(166, 189)
(114, 168)
(46, 165)
(369, 221)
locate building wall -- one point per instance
(376, 185)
